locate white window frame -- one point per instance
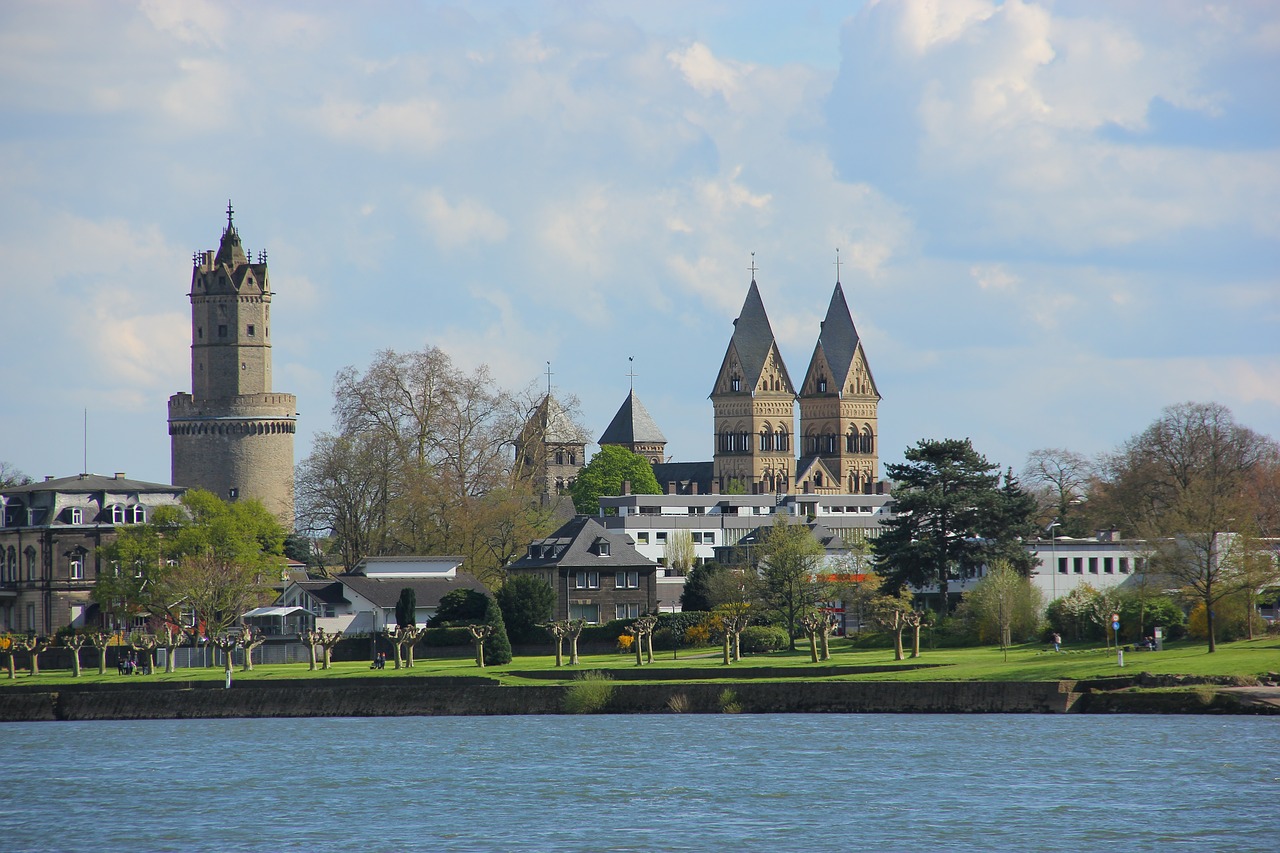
(77, 568)
(586, 580)
(77, 515)
(139, 514)
(117, 514)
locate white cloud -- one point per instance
(994, 277)
(705, 73)
(454, 225)
(415, 125)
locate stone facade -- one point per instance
(233, 435)
(50, 533)
(550, 449)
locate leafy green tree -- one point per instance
(1005, 605)
(697, 588)
(216, 558)
(946, 500)
(497, 647)
(407, 609)
(605, 474)
(527, 602)
(790, 586)
(459, 607)
(1012, 523)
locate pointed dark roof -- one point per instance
(632, 425)
(576, 544)
(553, 423)
(838, 337)
(752, 336)
(230, 252)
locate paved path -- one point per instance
(1269, 696)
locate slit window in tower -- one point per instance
(222, 331)
(249, 330)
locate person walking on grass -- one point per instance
(1057, 642)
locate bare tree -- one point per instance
(226, 642)
(11, 476)
(559, 630)
(1059, 479)
(169, 637)
(679, 552)
(480, 633)
(327, 640)
(74, 642)
(891, 613)
(250, 640)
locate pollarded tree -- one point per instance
(74, 643)
(101, 641)
(890, 612)
(948, 511)
(526, 603)
(168, 637)
(605, 474)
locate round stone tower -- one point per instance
(232, 435)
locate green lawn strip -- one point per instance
(1025, 663)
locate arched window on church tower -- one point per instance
(780, 441)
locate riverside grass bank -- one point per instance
(1241, 678)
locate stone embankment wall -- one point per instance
(480, 696)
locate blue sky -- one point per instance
(1055, 219)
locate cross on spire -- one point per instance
(548, 379)
(631, 371)
(229, 212)
(837, 265)
(753, 266)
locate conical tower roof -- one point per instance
(632, 425)
(230, 252)
(838, 337)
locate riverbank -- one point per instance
(480, 696)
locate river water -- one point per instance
(644, 783)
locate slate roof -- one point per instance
(575, 545)
(427, 591)
(553, 423)
(92, 483)
(838, 340)
(632, 425)
(830, 541)
(683, 473)
(752, 338)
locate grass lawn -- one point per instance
(1024, 663)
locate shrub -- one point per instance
(729, 703)
(497, 648)
(589, 693)
(697, 635)
(761, 638)
(526, 603)
(625, 642)
(442, 637)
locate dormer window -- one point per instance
(139, 514)
(602, 547)
(77, 515)
(117, 514)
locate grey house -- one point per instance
(597, 574)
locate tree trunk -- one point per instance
(727, 659)
(12, 674)
(480, 652)
(825, 653)
(638, 644)
(559, 651)
(573, 651)
(328, 656)
(311, 665)
(409, 655)
(813, 646)
(915, 642)
(897, 643)
(737, 645)
(1208, 621)
(35, 663)
(648, 648)
(102, 661)
(75, 662)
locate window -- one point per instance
(642, 537)
(222, 331)
(249, 330)
(117, 514)
(735, 384)
(1062, 565)
(590, 613)
(1093, 565)
(1139, 564)
(766, 440)
(77, 516)
(559, 457)
(1077, 565)
(77, 568)
(1108, 566)
(31, 617)
(602, 548)
(822, 384)
(627, 580)
(780, 441)
(31, 564)
(661, 537)
(139, 514)
(1124, 565)
(627, 611)
(586, 580)
(200, 333)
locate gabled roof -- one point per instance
(576, 545)
(839, 343)
(551, 424)
(808, 464)
(753, 340)
(632, 425)
(831, 542)
(326, 592)
(427, 591)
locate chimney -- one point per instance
(626, 487)
(119, 475)
(671, 487)
(48, 477)
(693, 487)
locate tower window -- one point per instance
(249, 330)
(735, 384)
(822, 385)
(222, 331)
(200, 333)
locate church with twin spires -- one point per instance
(758, 448)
